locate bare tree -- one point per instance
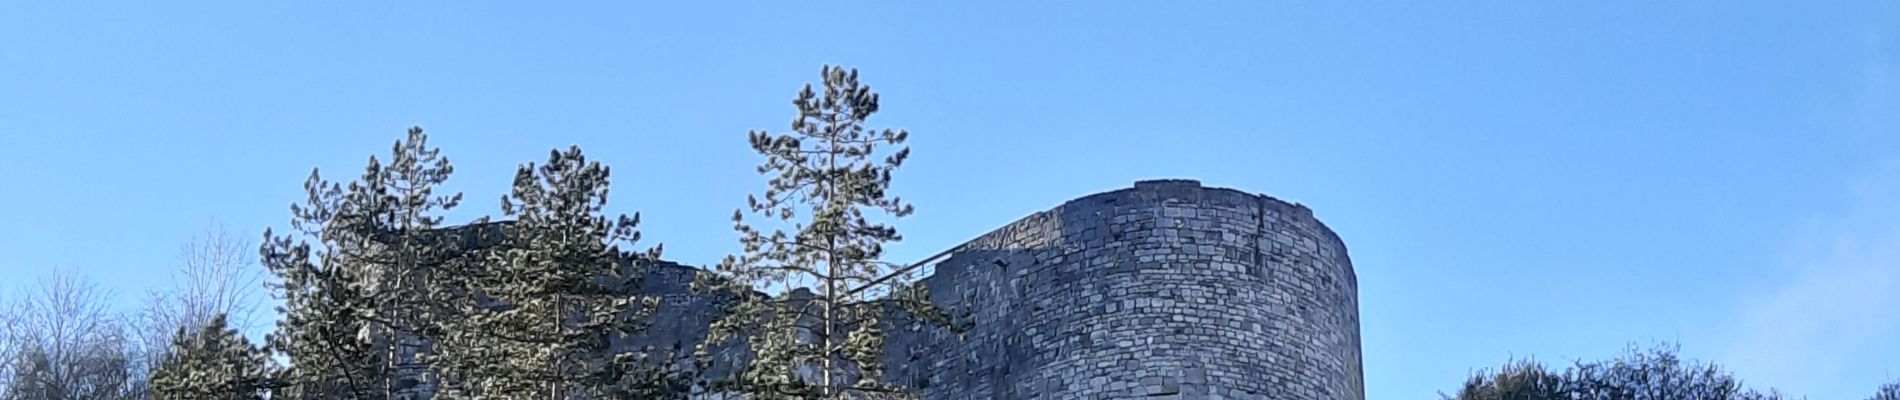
(1655, 373)
(216, 275)
(60, 339)
(68, 344)
(9, 343)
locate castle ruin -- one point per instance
(1166, 290)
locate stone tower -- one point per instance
(1165, 290)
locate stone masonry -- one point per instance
(1167, 290)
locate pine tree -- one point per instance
(213, 362)
(356, 304)
(325, 304)
(405, 252)
(819, 339)
(547, 304)
(1890, 391)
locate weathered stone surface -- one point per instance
(1168, 289)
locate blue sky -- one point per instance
(1527, 179)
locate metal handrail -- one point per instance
(927, 261)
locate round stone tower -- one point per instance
(1168, 289)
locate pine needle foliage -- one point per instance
(545, 306)
(819, 246)
(353, 276)
(213, 362)
(324, 304)
(1890, 391)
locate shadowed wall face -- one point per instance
(1169, 290)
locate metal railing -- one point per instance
(911, 274)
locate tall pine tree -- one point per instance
(817, 339)
(404, 250)
(322, 309)
(354, 302)
(546, 305)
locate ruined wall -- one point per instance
(683, 319)
(1168, 289)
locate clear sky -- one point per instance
(1521, 179)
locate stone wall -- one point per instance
(1165, 290)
